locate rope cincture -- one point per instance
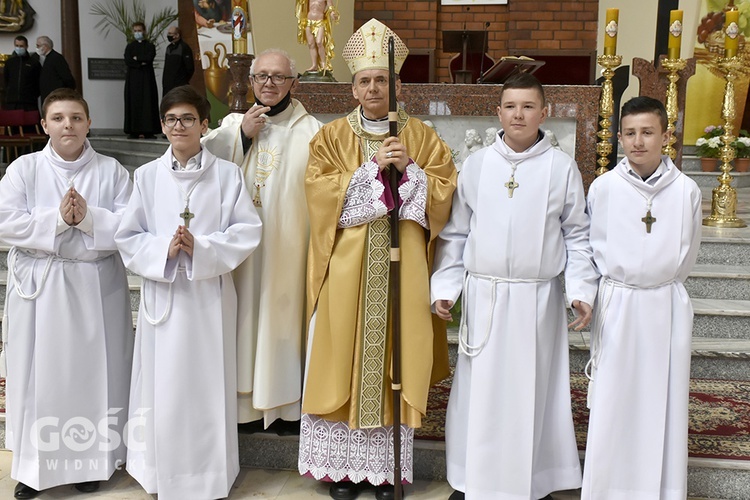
(463, 331)
(603, 297)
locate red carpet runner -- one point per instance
(719, 416)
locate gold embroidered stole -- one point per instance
(372, 352)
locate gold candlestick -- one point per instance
(674, 66)
(724, 196)
(606, 109)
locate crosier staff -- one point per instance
(395, 274)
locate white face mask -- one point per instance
(40, 52)
(20, 51)
(138, 35)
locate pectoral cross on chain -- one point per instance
(648, 220)
(511, 185)
(187, 215)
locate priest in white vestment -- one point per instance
(67, 325)
(347, 423)
(270, 144)
(518, 221)
(189, 223)
(645, 234)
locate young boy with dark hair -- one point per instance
(645, 235)
(67, 327)
(518, 221)
(189, 223)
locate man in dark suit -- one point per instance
(55, 72)
(178, 62)
(21, 77)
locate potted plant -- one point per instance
(708, 146)
(121, 14)
(742, 147)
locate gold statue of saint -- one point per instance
(315, 19)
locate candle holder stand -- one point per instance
(724, 196)
(673, 66)
(606, 110)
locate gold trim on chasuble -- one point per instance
(370, 376)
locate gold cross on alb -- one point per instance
(511, 185)
(648, 220)
(187, 215)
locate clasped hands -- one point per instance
(399, 157)
(73, 207)
(582, 309)
(182, 240)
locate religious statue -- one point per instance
(315, 19)
(16, 15)
(489, 136)
(552, 139)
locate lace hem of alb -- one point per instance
(413, 194)
(362, 202)
(333, 450)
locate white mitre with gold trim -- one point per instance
(367, 48)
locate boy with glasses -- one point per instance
(189, 223)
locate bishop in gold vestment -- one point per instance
(347, 423)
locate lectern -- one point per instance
(508, 66)
(464, 42)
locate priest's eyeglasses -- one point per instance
(187, 121)
(262, 78)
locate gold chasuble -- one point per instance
(349, 366)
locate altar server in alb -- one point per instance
(347, 421)
(518, 221)
(645, 234)
(189, 223)
(270, 144)
(67, 327)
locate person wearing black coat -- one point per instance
(55, 72)
(178, 62)
(141, 93)
(21, 78)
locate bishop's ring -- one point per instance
(389, 154)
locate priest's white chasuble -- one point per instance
(183, 400)
(271, 282)
(638, 427)
(518, 221)
(68, 329)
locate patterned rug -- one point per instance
(719, 416)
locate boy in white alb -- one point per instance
(68, 329)
(518, 221)
(189, 223)
(645, 234)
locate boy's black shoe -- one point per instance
(87, 487)
(23, 491)
(457, 495)
(343, 490)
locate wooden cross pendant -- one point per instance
(187, 215)
(511, 185)
(648, 220)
